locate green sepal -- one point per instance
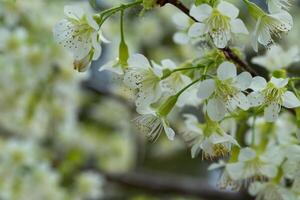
(123, 54)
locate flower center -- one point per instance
(273, 94)
(218, 22)
(224, 89)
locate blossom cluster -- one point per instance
(249, 120)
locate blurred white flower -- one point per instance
(276, 58)
(278, 5)
(89, 185)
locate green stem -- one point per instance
(186, 68)
(104, 15)
(189, 85)
(253, 131)
(122, 26)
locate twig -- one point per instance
(229, 54)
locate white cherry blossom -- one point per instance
(209, 138)
(225, 92)
(252, 165)
(80, 34)
(272, 96)
(269, 25)
(145, 77)
(220, 22)
(276, 58)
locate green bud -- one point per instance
(165, 108)
(166, 73)
(123, 54)
(149, 4)
(280, 73)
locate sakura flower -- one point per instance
(254, 166)
(270, 191)
(278, 5)
(272, 96)
(175, 81)
(145, 77)
(268, 25)
(153, 122)
(220, 22)
(276, 58)
(224, 93)
(80, 34)
(208, 137)
(226, 182)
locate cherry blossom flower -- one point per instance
(145, 77)
(225, 92)
(80, 34)
(272, 96)
(220, 22)
(208, 137)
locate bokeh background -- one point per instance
(66, 135)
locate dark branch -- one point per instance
(229, 54)
(165, 184)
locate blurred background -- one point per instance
(66, 135)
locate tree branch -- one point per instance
(170, 184)
(229, 54)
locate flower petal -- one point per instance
(243, 80)
(74, 12)
(279, 82)
(201, 12)
(247, 154)
(238, 26)
(216, 109)
(241, 101)
(138, 61)
(228, 9)
(255, 99)
(271, 112)
(226, 70)
(181, 38)
(290, 100)
(206, 88)
(258, 83)
(197, 29)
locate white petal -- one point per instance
(201, 12)
(290, 100)
(255, 99)
(168, 130)
(226, 70)
(228, 9)
(181, 38)
(74, 12)
(112, 66)
(168, 64)
(279, 82)
(271, 112)
(270, 170)
(243, 80)
(97, 46)
(285, 20)
(247, 154)
(235, 170)
(197, 29)
(238, 26)
(258, 83)
(241, 101)
(220, 37)
(216, 109)
(206, 88)
(138, 61)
